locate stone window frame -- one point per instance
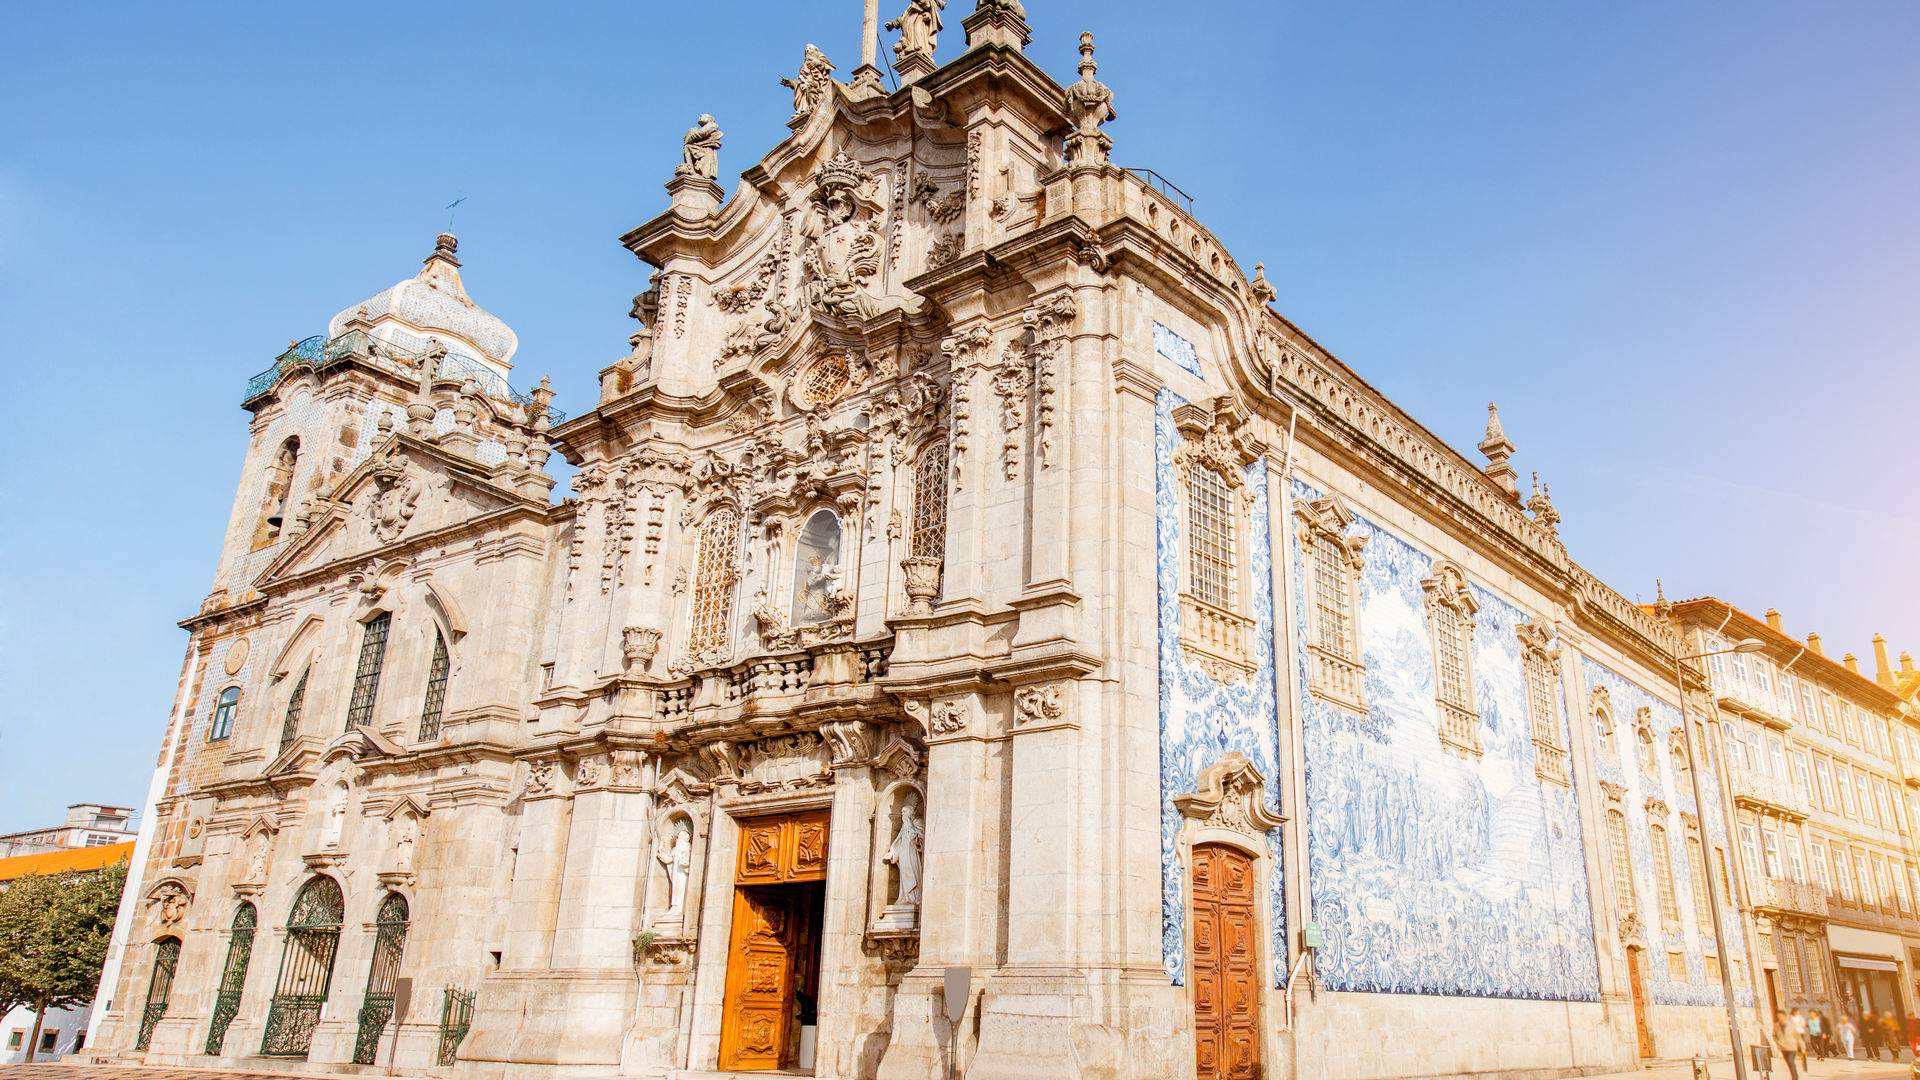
(1605, 731)
(927, 524)
(1215, 637)
(715, 581)
(1619, 841)
(1336, 676)
(1451, 625)
(1540, 672)
(1645, 739)
(226, 711)
(369, 667)
(1664, 892)
(1696, 855)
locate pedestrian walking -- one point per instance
(1848, 1036)
(1890, 1034)
(1817, 1034)
(1869, 1034)
(1798, 1019)
(1788, 1040)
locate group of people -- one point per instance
(1798, 1033)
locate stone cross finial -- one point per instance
(1089, 105)
(444, 246)
(1262, 289)
(1498, 449)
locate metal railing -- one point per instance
(1166, 187)
(456, 1017)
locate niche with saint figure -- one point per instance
(818, 574)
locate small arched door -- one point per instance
(166, 957)
(1226, 986)
(233, 978)
(306, 969)
(376, 1007)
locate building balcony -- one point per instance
(1767, 795)
(1775, 898)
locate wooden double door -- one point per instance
(1226, 982)
(773, 959)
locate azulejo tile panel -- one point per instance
(1674, 789)
(1172, 346)
(1201, 719)
(1432, 873)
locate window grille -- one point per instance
(1697, 877)
(366, 677)
(1540, 698)
(1622, 869)
(1450, 657)
(233, 978)
(290, 727)
(1663, 876)
(1726, 885)
(223, 714)
(929, 537)
(306, 969)
(159, 988)
(1210, 537)
(1789, 951)
(1331, 599)
(383, 972)
(713, 584)
(825, 380)
(436, 690)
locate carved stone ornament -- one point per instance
(851, 741)
(949, 717)
(1089, 105)
(723, 758)
(395, 494)
(1613, 792)
(668, 952)
(1231, 796)
(1038, 705)
(1631, 929)
(922, 584)
(899, 950)
(1656, 810)
(965, 353)
(842, 242)
(1216, 438)
(543, 777)
(591, 772)
(638, 644)
(1690, 820)
(171, 901)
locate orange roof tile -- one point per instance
(59, 862)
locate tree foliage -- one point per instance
(54, 930)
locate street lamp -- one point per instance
(1750, 645)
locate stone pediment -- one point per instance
(404, 490)
(360, 744)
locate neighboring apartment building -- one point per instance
(967, 567)
(62, 1031)
(1823, 764)
(87, 825)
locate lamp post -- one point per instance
(1750, 645)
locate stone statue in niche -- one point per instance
(257, 858)
(702, 150)
(904, 856)
(817, 571)
(336, 827)
(677, 859)
(403, 847)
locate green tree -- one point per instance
(54, 930)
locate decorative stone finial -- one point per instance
(443, 248)
(1498, 449)
(1542, 506)
(1261, 288)
(1089, 105)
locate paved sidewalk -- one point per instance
(81, 1071)
(1722, 1069)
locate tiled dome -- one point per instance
(433, 303)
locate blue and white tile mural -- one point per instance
(1200, 719)
(1432, 874)
(1674, 788)
(1172, 346)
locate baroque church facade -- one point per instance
(966, 569)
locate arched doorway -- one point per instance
(166, 957)
(1226, 984)
(376, 1008)
(233, 978)
(306, 969)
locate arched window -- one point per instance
(233, 978)
(290, 727)
(1450, 622)
(366, 675)
(928, 539)
(166, 957)
(306, 968)
(712, 617)
(1622, 868)
(1643, 745)
(819, 576)
(223, 714)
(376, 1005)
(1663, 877)
(1603, 724)
(436, 689)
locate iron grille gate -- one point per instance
(158, 987)
(226, 1005)
(306, 969)
(456, 1016)
(376, 1008)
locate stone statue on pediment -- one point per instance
(702, 150)
(919, 28)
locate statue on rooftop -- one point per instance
(919, 26)
(811, 84)
(702, 150)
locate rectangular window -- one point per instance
(49, 1038)
(1789, 950)
(1832, 715)
(1796, 866)
(296, 704)
(1826, 784)
(1816, 966)
(1841, 776)
(1210, 538)
(223, 713)
(1808, 714)
(1777, 754)
(1818, 853)
(366, 677)
(14, 1039)
(1885, 800)
(1677, 966)
(1848, 725)
(1540, 698)
(1739, 665)
(1882, 884)
(1867, 812)
(1843, 873)
(1864, 880)
(1756, 757)
(1450, 656)
(1900, 890)
(1697, 878)
(1663, 877)
(1330, 598)
(1622, 869)
(1750, 849)
(1713, 970)
(1804, 775)
(1770, 849)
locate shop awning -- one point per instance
(1864, 963)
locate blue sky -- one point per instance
(1676, 242)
